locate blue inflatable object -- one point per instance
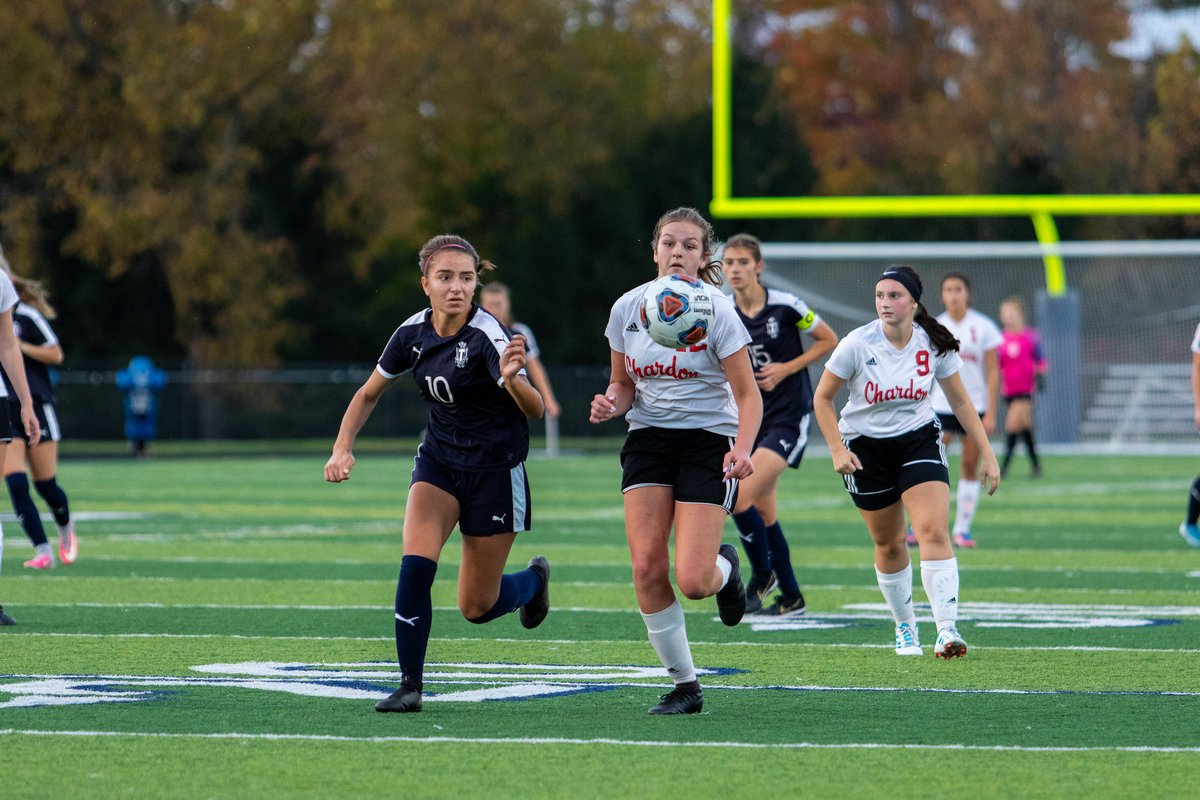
(141, 383)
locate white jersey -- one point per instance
(684, 388)
(889, 388)
(8, 301)
(531, 345)
(977, 335)
(1196, 340)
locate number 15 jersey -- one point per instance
(889, 388)
(474, 423)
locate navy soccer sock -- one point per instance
(753, 533)
(56, 498)
(781, 561)
(26, 511)
(516, 589)
(1033, 457)
(1193, 510)
(414, 613)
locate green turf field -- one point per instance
(228, 627)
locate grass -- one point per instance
(228, 626)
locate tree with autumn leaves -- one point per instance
(246, 181)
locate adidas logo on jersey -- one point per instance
(632, 328)
(871, 362)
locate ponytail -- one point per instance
(943, 340)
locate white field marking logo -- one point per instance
(444, 682)
(993, 615)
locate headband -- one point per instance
(904, 279)
(429, 257)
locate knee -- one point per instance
(474, 611)
(897, 547)
(650, 572)
(693, 585)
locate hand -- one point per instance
(770, 376)
(989, 474)
(33, 428)
(337, 468)
(738, 464)
(553, 409)
(845, 462)
(604, 408)
(989, 422)
(512, 360)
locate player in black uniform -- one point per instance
(470, 468)
(40, 348)
(776, 321)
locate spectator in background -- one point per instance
(140, 384)
(39, 348)
(1189, 530)
(1022, 370)
(978, 340)
(497, 301)
(777, 322)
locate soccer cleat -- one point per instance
(731, 598)
(533, 612)
(963, 540)
(680, 701)
(785, 606)
(1190, 534)
(5, 619)
(760, 586)
(907, 641)
(950, 643)
(404, 700)
(910, 537)
(68, 545)
(43, 561)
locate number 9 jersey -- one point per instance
(889, 388)
(474, 423)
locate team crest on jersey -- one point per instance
(460, 355)
(773, 328)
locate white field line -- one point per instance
(590, 642)
(599, 741)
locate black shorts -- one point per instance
(689, 461)
(892, 466)
(488, 502)
(1022, 396)
(47, 421)
(950, 423)
(789, 441)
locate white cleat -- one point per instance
(950, 643)
(907, 642)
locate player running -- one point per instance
(776, 321)
(469, 470)
(888, 448)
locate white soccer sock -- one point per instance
(968, 497)
(668, 637)
(726, 569)
(897, 592)
(940, 579)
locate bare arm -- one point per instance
(541, 382)
(740, 374)
(337, 468)
(45, 353)
(991, 369)
(844, 461)
(618, 397)
(14, 368)
(511, 362)
(824, 340)
(1196, 386)
(968, 417)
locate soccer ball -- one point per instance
(677, 311)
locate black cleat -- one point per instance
(404, 700)
(731, 598)
(5, 619)
(785, 606)
(680, 701)
(533, 612)
(760, 586)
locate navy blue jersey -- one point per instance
(776, 337)
(30, 326)
(474, 423)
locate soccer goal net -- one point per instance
(1117, 340)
